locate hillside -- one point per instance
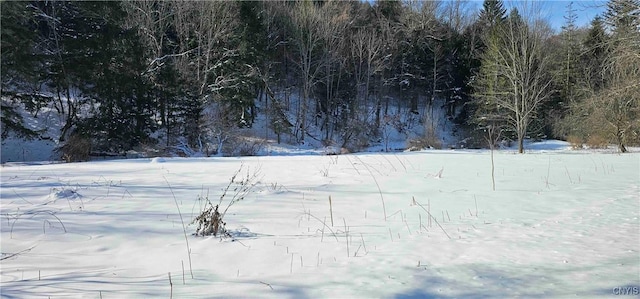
(259, 139)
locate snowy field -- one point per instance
(560, 223)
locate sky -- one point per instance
(554, 11)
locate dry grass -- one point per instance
(76, 149)
(597, 142)
(575, 141)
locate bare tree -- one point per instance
(611, 110)
(619, 101)
(334, 22)
(517, 83)
(194, 40)
(204, 29)
(624, 100)
(614, 112)
(387, 37)
(458, 14)
(308, 42)
(367, 59)
(152, 19)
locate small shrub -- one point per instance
(575, 141)
(334, 151)
(250, 147)
(211, 220)
(77, 148)
(359, 144)
(243, 146)
(355, 135)
(473, 140)
(597, 142)
(151, 150)
(427, 141)
(328, 142)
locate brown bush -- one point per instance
(429, 140)
(243, 146)
(575, 141)
(597, 142)
(77, 148)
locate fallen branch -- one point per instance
(267, 284)
(17, 253)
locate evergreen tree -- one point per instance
(252, 52)
(623, 16)
(571, 46)
(17, 67)
(482, 37)
(112, 64)
(59, 41)
(390, 10)
(18, 39)
(592, 60)
(566, 50)
(143, 66)
(492, 13)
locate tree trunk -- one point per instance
(414, 103)
(378, 109)
(622, 148)
(521, 144)
(303, 114)
(620, 139)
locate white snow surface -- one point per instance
(559, 224)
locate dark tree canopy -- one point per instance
(192, 74)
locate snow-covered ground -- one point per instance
(560, 223)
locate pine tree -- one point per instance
(17, 67)
(390, 10)
(592, 59)
(623, 16)
(111, 61)
(571, 46)
(492, 13)
(18, 39)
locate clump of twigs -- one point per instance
(211, 220)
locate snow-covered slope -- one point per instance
(47, 123)
(560, 224)
(395, 136)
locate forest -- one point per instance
(193, 74)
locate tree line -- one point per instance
(164, 73)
